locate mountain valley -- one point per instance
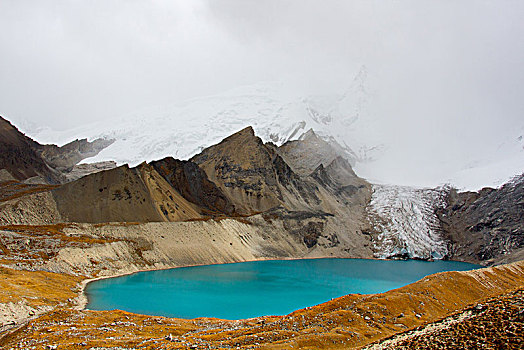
(241, 199)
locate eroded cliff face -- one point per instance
(192, 183)
(172, 244)
(487, 225)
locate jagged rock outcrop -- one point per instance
(192, 183)
(309, 151)
(64, 158)
(253, 175)
(26, 159)
(339, 177)
(485, 226)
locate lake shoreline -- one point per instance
(416, 274)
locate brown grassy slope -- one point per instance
(36, 288)
(497, 323)
(347, 322)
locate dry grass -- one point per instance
(14, 189)
(496, 323)
(37, 288)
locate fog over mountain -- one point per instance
(444, 88)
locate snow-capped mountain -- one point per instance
(348, 120)
(276, 115)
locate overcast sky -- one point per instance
(441, 67)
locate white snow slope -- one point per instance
(277, 115)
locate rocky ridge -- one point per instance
(26, 159)
(487, 225)
(243, 176)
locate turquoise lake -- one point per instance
(250, 289)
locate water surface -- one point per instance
(250, 289)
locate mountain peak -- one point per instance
(247, 132)
(308, 135)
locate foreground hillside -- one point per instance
(495, 323)
(347, 322)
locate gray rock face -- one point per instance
(485, 226)
(66, 157)
(192, 183)
(310, 151)
(81, 170)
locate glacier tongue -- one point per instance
(405, 220)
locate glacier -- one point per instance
(406, 221)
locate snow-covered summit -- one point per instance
(276, 114)
(350, 120)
